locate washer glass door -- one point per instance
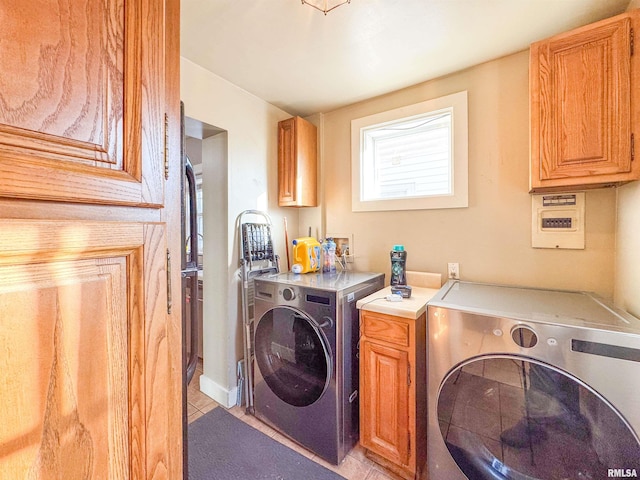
(292, 355)
(515, 418)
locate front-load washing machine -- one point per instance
(531, 384)
(305, 356)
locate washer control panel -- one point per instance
(524, 336)
(288, 294)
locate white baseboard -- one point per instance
(226, 398)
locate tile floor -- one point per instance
(354, 467)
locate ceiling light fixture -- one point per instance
(325, 6)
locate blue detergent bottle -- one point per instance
(398, 265)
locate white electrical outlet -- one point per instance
(454, 271)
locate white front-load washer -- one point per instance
(531, 384)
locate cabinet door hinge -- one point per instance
(169, 301)
(409, 443)
(166, 146)
(409, 374)
(631, 42)
(633, 148)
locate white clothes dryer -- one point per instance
(531, 384)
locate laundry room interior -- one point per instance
(507, 232)
(320, 239)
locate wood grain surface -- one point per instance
(584, 97)
(82, 101)
(91, 370)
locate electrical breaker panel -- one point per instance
(557, 220)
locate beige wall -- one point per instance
(245, 179)
(491, 239)
(627, 285)
(314, 216)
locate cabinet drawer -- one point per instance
(385, 329)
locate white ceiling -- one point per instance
(305, 62)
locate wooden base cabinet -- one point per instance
(585, 106)
(393, 391)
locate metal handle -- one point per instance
(328, 323)
(187, 271)
(191, 269)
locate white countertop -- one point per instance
(411, 307)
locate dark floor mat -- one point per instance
(221, 447)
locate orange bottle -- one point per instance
(306, 253)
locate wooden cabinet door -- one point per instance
(384, 401)
(287, 166)
(297, 163)
(90, 369)
(582, 102)
(83, 343)
(82, 101)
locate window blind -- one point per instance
(409, 158)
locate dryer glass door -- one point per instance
(292, 355)
(515, 418)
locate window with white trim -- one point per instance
(412, 157)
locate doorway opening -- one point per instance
(204, 149)
(204, 269)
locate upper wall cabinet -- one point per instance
(585, 107)
(297, 163)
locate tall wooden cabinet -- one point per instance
(585, 106)
(393, 391)
(297, 163)
(90, 382)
